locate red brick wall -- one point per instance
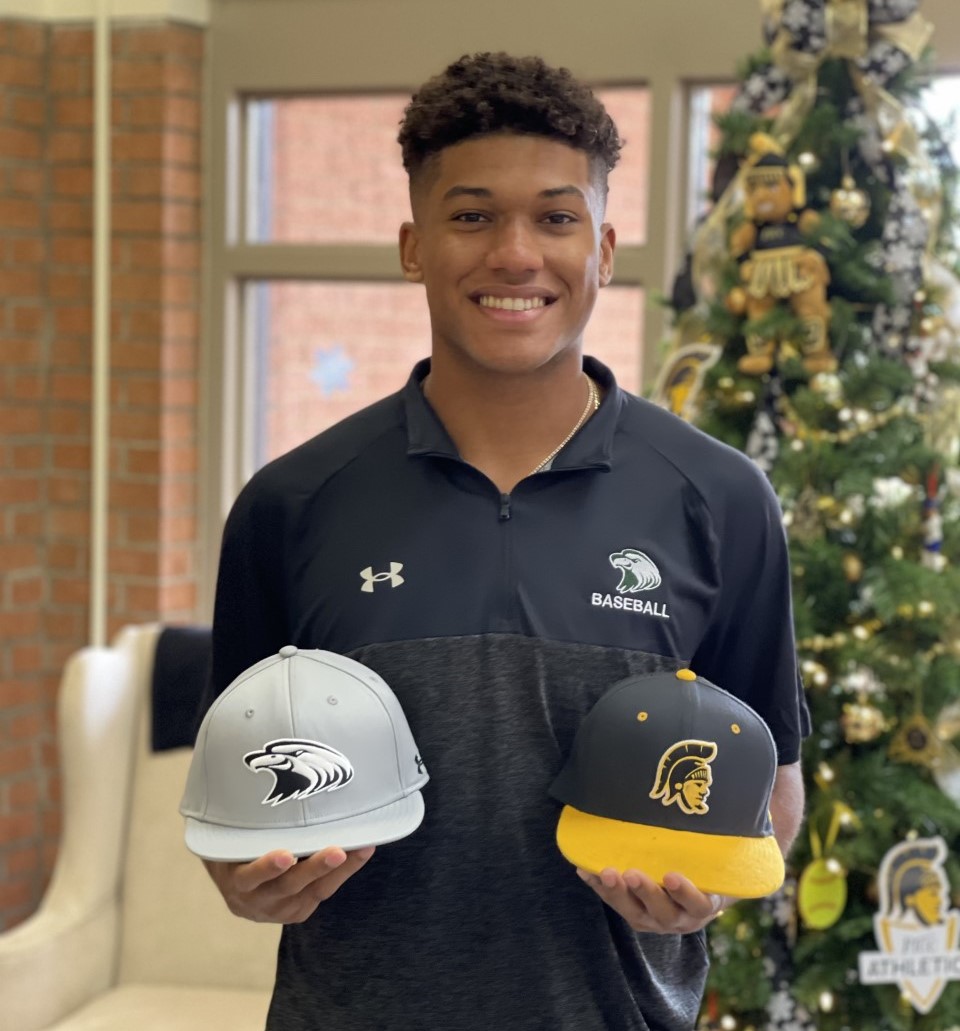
(156, 303)
(46, 222)
(28, 786)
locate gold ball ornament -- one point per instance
(815, 672)
(822, 894)
(736, 301)
(861, 722)
(852, 566)
(824, 776)
(849, 203)
(828, 385)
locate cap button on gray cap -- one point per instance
(288, 651)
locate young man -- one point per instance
(506, 478)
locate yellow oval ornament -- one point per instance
(822, 894)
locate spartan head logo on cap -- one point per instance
(684, 777)
(300, 768)
(637, 571)
(668, 772)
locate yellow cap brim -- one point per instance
(744, 867)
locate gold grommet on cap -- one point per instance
(686, 674)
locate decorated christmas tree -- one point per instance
(817, 328)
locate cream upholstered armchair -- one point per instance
(131, 934)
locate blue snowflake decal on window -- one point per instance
(332, 368)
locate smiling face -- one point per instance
(509, 243)
(770, 197)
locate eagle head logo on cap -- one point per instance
(335, 741)
(644, 762)
(300, 768)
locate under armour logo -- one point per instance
(421, 766)
(370, 577)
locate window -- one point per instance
(705, 103)
(322, 350)
(325, 169)
(941, 101)
(629, 107)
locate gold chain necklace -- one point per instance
(593, 403)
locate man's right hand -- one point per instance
(277, 889)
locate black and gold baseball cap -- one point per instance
(668, 772)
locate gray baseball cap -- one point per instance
(305, 750)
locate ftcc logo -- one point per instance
(638, 572)
(916, 930)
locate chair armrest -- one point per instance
(56, 961)
(66, 953)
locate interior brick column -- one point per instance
(46, 224)
(27, 791)
(157, 78)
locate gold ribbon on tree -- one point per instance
(848, 34)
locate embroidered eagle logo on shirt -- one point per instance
(637, 571)
(300, 767)
(684, 776)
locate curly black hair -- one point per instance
(487, 93)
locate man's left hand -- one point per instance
(675, 907)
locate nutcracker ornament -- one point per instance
(778, 267)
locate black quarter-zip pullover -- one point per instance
(498, 620)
